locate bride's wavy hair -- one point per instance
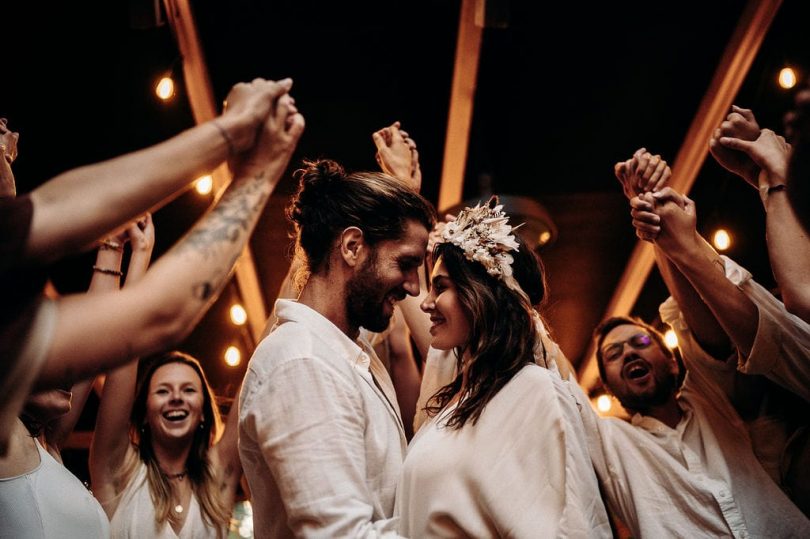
(502, 334)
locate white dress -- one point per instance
(49, 501)
(135, 515)
(521, 471)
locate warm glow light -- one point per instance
(670, 339)
(165, 88)
(204, 185)
(787, 78)
(233, 356)
(544, 237)
(721, 239)
(238, 314)
(603, 403)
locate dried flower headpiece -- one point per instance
(484, 235)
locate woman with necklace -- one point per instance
(170, 477)
(154, 463)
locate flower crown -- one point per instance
(484, 236)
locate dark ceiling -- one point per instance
(563, 93)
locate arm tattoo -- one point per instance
(229, 219)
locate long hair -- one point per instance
(502, 334)
(200, 471)
(329, 200)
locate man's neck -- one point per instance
(669, 413)
(328, 298)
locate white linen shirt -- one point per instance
(781, 349)
(321, 444)
(699, 479)
(522, 470)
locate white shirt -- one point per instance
(521, 471)
(781, 350)
(700, 479)
(49, 502)
(321, 444)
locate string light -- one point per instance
(721, 239)
(787, 78)
(164, 89)
(238, 314)
(233, 356)
(670, 339)
(604, 403)
(204, 184)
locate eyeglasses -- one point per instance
(639, 341)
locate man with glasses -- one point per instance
(684, 465)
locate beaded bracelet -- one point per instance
(108, 271)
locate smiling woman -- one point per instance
(170, 477)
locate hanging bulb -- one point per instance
(165, 88)
(787, 78)
(204, 184)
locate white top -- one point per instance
(49, 502)
(135, 515)
(781, 350)
(700, 479)
(321, 444)
(521, 471)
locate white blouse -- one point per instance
(522, 470)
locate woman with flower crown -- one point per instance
(503, 451)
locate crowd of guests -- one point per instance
(335, 431)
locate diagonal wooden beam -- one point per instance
(740, 52)
(462, 96)
(201, 98)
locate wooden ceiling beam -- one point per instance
(462, 97)
(203, 107)
(740, 52)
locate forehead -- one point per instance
(622, 333)
(175, 373)
(412, 243)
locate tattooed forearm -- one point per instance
(229, 220)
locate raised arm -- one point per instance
(788, 243)
(226, 451)
(106, 277)
(163, 307)
(640, 175)
(76, 208)
(704, 269)
(110, 444)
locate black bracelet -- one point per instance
(108, 271)
(226, 136)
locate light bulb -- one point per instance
(204, 185)
(603, 403)
(670, 339)
(787, 78)
(233, 356)
(721, 239)
(238, 314)
(165, 88)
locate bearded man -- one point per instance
(320, 432)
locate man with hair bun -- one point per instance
(320, 432)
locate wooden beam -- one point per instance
(201, 98)
(740, 52)
(462, 95)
